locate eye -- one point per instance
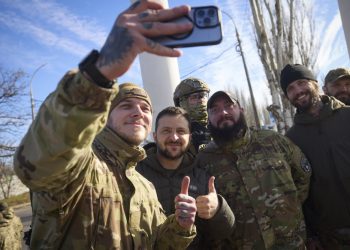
(146, 108)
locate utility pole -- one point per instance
(240, 51)
(31, 90)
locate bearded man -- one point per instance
(321, 130)
(168, 161)
(262, 174)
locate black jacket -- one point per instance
(200, 135)
(325, 140)
(168, 185)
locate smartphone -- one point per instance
(207, 29)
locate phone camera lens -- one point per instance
(211, 12)
(207, 21)
(200, 13)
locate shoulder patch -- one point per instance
(305, 165)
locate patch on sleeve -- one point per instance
(305, 165)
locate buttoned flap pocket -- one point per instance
(109, 218)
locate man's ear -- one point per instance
(154, 136)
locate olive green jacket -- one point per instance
(86, 192)
(264, 178)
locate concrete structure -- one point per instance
(344, 8)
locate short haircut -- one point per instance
(173, 111)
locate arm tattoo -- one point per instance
(152, 44)
(143, 15)
(117, 46)
(148, 25)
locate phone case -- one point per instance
(207, 29)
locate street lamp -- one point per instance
(31, 90)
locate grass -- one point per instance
(17, 199)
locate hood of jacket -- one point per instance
(151, 160)
(110, 145)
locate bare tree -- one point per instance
(247, 105)
(13, 115)
(6, 178)
(283, 36)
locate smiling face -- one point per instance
(172, 136)
(131, 119)
(224, 112)
(340, 89)
(303, 94)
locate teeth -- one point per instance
(301, 97)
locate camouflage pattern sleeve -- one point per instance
(171, 235)
(52, 152)
(300, 168)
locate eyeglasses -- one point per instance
(198, 96)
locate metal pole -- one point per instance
(31, 90)
(240, 51)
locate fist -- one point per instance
(208, 205)
(185, 206)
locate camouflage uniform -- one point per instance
(84, 196)
(265, 179)
(199, 116)
(11, 229)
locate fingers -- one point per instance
(185, 210)
(211, 185)
(208, 205)
(142, 5)
(152, 15)
(185, 185)
(185, 205)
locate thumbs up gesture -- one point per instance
(185, 206)
(208, 205)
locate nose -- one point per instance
(137, 111)
(174, 136)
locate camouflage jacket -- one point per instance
(11, 230)
(265, 179)
(84, 196)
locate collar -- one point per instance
(330, 104)
(109, 145)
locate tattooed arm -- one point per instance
(132, 32)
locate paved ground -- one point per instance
(25, 214)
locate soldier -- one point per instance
(168, 161)
(192, 95)
(263, 176)
(337, 84)
(11, 229)
(321, 130)
(86, 192)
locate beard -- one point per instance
(304, 107)
(226, 134)
(343, 97)
(168, 155)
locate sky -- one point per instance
(45, 38)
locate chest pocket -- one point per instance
(110, 222)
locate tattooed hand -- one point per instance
(132, 33)
(185, 206)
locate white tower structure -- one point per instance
(160, 76)
(344, 8)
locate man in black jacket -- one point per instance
(168, 161)
(321, 130)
